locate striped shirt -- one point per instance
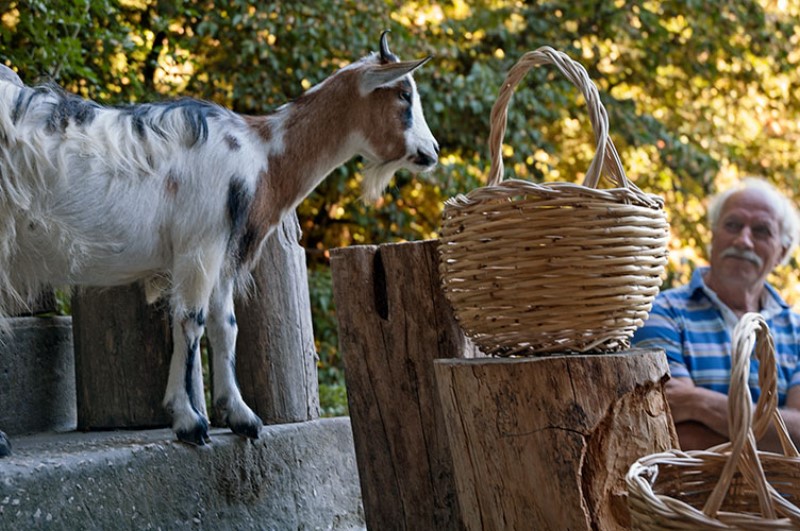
(695, 328)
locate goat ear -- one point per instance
(380, 75)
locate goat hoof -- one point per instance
(250, 430)
(197, 436)
(239, 418)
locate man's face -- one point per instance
(746, 244)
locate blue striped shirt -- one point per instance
(694, 328)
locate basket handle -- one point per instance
(747, 427)
(606, 157)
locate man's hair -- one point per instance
(785, 210)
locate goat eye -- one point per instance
(405, 96)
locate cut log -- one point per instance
(393, 322)
(544, 443)
(37, 375)
(122, 353)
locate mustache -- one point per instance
(733, 252)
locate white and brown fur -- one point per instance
(181, 196)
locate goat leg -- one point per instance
(222, 330)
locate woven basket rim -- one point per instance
(511, 188)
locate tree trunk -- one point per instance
(393, 322)
(544, 443)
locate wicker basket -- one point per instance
(539, 268)
(733, 485)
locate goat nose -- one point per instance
(436, 148)
(424, 159)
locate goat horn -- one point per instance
(386, 55)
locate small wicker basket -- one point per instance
(733, 485)
(531, 268)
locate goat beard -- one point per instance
(376, 177)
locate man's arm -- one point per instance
(791, 417)
(701, 416)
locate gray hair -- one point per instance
(787, 214)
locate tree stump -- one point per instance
(37, 375)
(123, 346)
(122, 352)
(544, 443)
(393, 322)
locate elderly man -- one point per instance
(754, 228)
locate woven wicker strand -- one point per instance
(733, 485)
(532, 269)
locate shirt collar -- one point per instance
(771, 301)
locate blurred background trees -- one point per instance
(698, 93)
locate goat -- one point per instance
(182, 194)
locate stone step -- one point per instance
(299, 476)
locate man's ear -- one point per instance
(784, 254)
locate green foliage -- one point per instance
(63, 301)
(333, 400)
(330, 367)
(697, 93)
(326, 336)
(87, 46)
